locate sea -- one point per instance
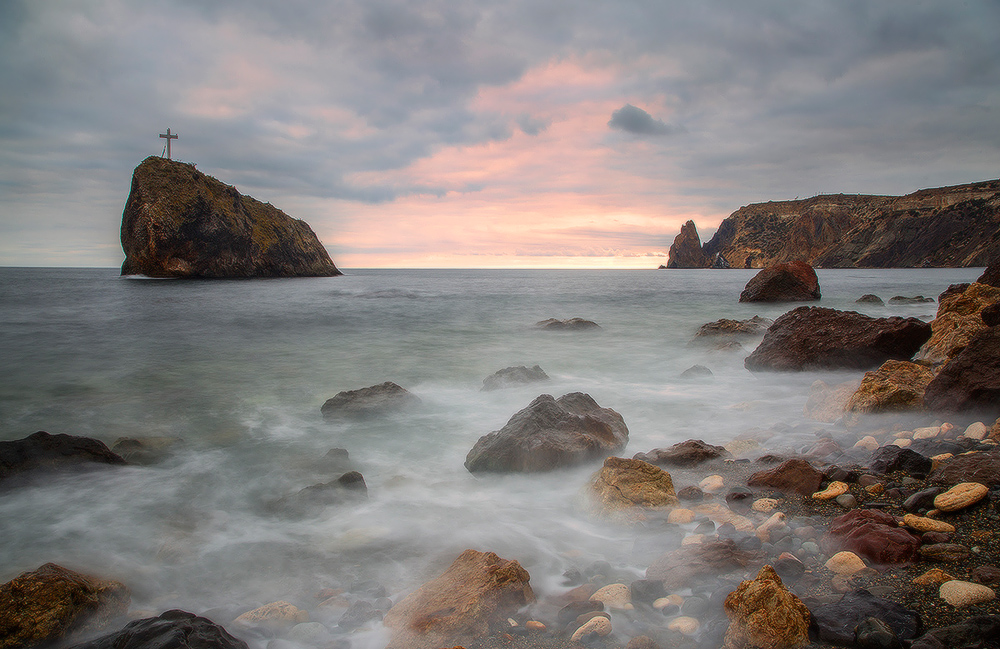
(238, 370)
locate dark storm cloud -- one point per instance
(634, 120)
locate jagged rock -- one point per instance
(511, 376)
(763, 613)
(178, 222)
(887, 459)
(41, 451)
(873, 535)
(682, 567)
(835, 622)
(573, 324)
(971, 379)
(820, 338)
(794, 281)
(976, 467)
(145, 450)
(53, 603)
(684, 454)
(478, 590)
(826, 403)
(366, 402)
(727, 329)
(895, 386)
(172, 629)
(685, 251)
(623, 488)
(792, 476)
(869, 299)
(312, 500)
(551, 433)
(958, 321)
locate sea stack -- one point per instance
(179, 222)
(686, 250)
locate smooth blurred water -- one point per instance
(239, 369)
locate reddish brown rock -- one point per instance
(975, 467)
(873, 535)
(820, 338)
(53, 603)
(991, 276)
(794, 281)
(971, 379)
(764, 614)
(685, 251)
(477, 591)
(684, 454)
(791, 476)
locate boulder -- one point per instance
(172, 629)
(684, 454)
(873, 633)
(794, 281)
(917, 299)
(958, 321)
(683, 567)
(511, 376)
(54, 603)
(835, 622)
(573, 324)
(872, 535)
(894, 387)
(971, 379)
(312, 500)
(41, 451)
(727, 329)
(623, 487)
(178, 222)
(977, 632)
(983, 468)
(685, 251)
(273, 617)
(763, 613)
(869, 299)
(697, 373)
(887, 459)
(791, 476)
(478, 591)
(368, 402)
(551, 433)
(820, 338)
(827, 403)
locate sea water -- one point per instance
(239, 370)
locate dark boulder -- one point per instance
(873, 535)
(689, 453)
(573, 324)
(971, 379)
(178, 222)
(727, 329)
(820, 338)
(685, 251)
(978, 632)
(983, 468)
(349, 487)
(991, 315)
(367, 402)
(170, 630)
(551, 433)
(54, 603)
(835, 622)
(794, 281)
(511, 376)
(791, 476)
(42, 451)
(869, 299)
(887, 459)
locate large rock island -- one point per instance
(179, 222)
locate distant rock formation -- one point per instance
(686, 250)
(942, 227)
(179, 222)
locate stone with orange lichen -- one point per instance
(765, 615)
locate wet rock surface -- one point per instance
(513, 376)
(372, 401)
(41, 451)
(794, 281)
(173, 629)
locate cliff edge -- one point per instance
(179, 222)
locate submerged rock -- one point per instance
(170, 630)
(41, 451)
(551, 433)
(869, 299)
(794, 281)
(684, 454)
(977, 632)
(623, 488)
(54, 603)
(179, 222)
(827, 403)
(902, 299)
(511, 376)
(681, 568)
(477, 591)
(685, 251)
(349, 487)
(146, 450)
(366, 402)
(821, 338)
(573, 324)
(727, 329)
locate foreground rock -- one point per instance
(511, 376)
(820, 338)
(835, 623)
(971, 379)
(791, 476)
(478, 591)
(762, 613)
(958, 321)
(623, 488)
(983, 468)
(684, 454)
(551, 433)
(170, 630)
(794, 281)
(178, 222)
(367, 402)
(685, 251)
(872, 535)
(42, 451)
(53, 603)
(894, 387)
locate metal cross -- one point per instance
(168, 137)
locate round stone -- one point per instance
(924, 524)
(599, 625)
(847, 501)
(976, 430)
(712, 484)
(961, 496)
(680, 516)
(867, 442)
(614, 597)
(845, 563)
(964, 593)
(903, 442)
(684, 624)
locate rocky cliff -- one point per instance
(943, 227)
(179, 222)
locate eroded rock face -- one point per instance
(794, 281)
(971, 379)
(685, 251)
(727, 329)
(895, 386)
(512, 376)
(179, 222)
(368, 402)
(41, 451)
(763, 613)
(684, 454)
(820, 338)
(53, 603)
(477, 591)
(174, 629)
(625, 487)
(551, 433)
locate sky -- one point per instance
(499, 133)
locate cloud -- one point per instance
(634, 120)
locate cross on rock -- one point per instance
(168, 137)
